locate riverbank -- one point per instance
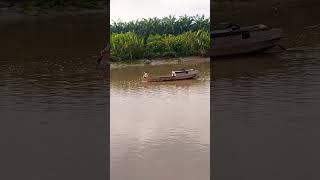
(18, 10)
(157, 62)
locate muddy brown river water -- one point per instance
(266, 108)
(54, 108)
(160, 130)
(53, 105)
(53, 99)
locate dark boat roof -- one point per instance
(182, 70)
(231, 29)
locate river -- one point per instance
(160, 130)
(53, 99)
(265, 108)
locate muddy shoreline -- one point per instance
(157, 62)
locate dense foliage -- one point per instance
(129, 45)
(160, 37)
(54, 2)
(33, 5)
(166, 25)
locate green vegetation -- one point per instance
(36, 6)
(159, 38)
(166, 25)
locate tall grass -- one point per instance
(130, 46)
(127, 46)
(160, 37)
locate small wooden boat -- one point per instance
(231, 39)
(176, 75)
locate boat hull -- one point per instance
(259, 41)
(190, 75)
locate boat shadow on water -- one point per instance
(273, 53)
(248, 65)
(174, 84)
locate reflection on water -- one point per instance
(159, 130)
(265, 107)
(53, 100)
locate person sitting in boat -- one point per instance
(174, 74)
(145, 75)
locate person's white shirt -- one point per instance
(145, 75)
